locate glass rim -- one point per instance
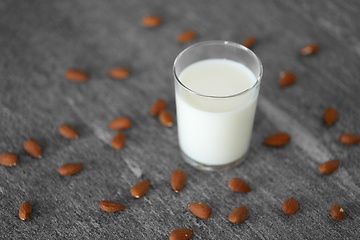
(219, 42)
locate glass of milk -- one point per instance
(216, 87)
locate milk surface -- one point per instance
(215, 131)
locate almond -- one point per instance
(110, 206)
(120, 123)
(151, 20)
(330, 115)
(33, 147)
(76, 75)
(181, 234)
(178, 179)
(140, 188)
(277, 139)
(200, 209)
(337, 212)
(158, 106)
(166, 118)
(119, 72)
(8, 159)
(310, 49)
(70, 169)
(238, 215)
(239, 185)
(186, 36)
(249, 41)
(118, 140)
(290, 206)
(287, 78)
(348, 138)
(25, 211)
(329, 167)
(68, 131)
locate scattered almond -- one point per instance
(337, 212)
(239, 185)
(120, 123)
(8, 159)
(158, 106)
(118, 140)
(238, 215)
(119, 72)
(329, 167)
(25, 210)
(287, 78)
(68, 131)
(249, 41)
(310, 49)
(200, 209)
(277, 139)
(70, 169)
(186, 36)
(140, 188)
(151, 20)
(33, 147)
(178, 179)
(290, 206)
(166, 118)
(348, 138)
(330, 115)
(181, 234)
(76, 75)
(110, 206)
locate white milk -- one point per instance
(215, 131)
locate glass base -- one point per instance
(211, 167)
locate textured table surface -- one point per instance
(40, 40)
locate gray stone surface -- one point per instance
(39, 40)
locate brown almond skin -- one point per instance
(337, 212)
(33, 147)
(119, 72)
(25, 210)
(310, 49)
(287, 79)
(290, 206)
(166, 118)
(70, 169)
(277, 139)
(68, 131)
(239, 185)
(8, 159)
(178, 179)
(238, 215)
(118, 140)
(181, 234)
(120, 123)
(330, 115)
(200, 209)
(249, 41)
(74, 74)
(186, 36)
(158, 106)
(140, 188)
(110, 206)
(348, 138)
(151, 20)
(329, 167)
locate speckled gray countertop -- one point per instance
(40, 40)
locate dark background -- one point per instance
(40, 40)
